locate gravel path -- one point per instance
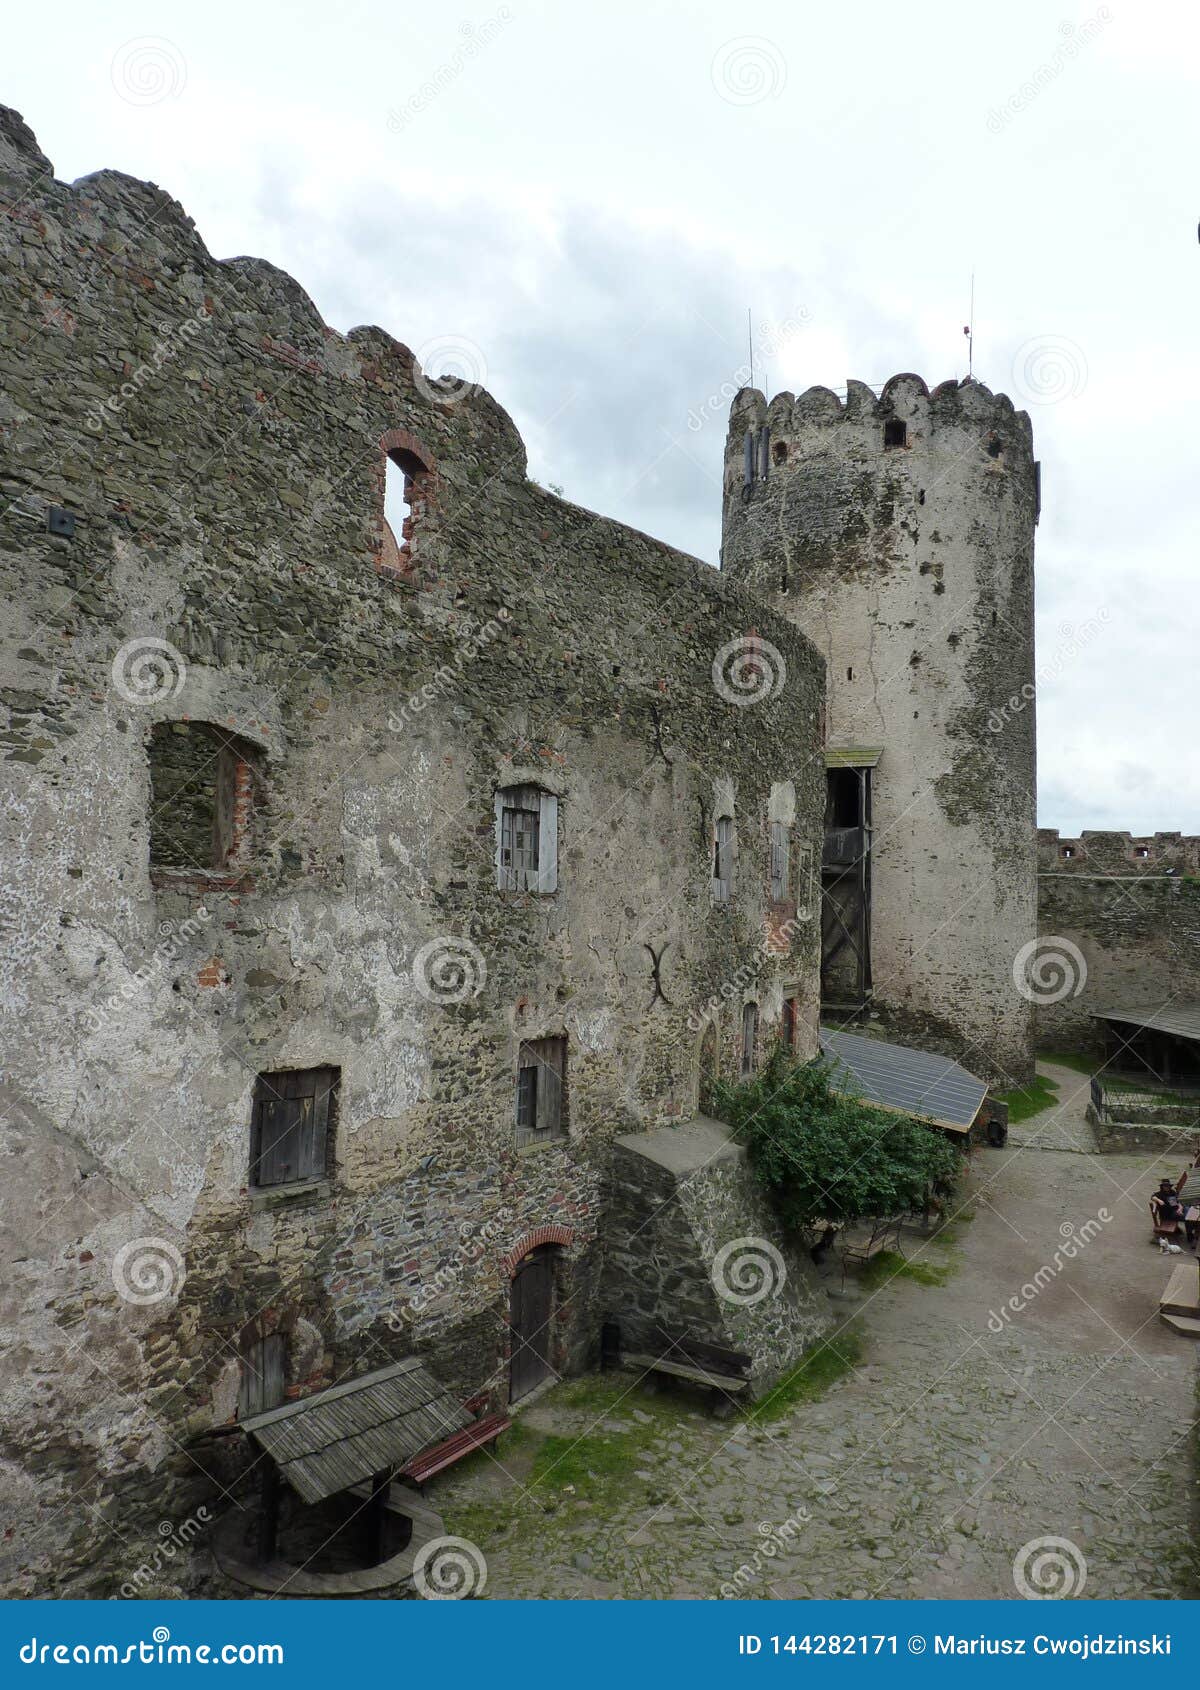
(971, 1426)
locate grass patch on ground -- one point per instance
(1028, 1101)
(592, 1466)
(821, 1367)
(889, 1264)
(1071, 1059)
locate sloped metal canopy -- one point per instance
(339, 1437)
(913, 1082)
(1180, 1019)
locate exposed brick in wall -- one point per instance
(226, 491)
(532, 1240)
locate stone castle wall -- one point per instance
(911, 567)
(1124, 928)
(221, 452)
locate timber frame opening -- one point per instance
(846, 983)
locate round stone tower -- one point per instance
(897, 532)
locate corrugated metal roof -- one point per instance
(852, 756)
(339, 1437)
(1182, 1019)
(911, 1081)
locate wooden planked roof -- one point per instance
(339, 1437)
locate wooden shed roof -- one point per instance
(339, 1437)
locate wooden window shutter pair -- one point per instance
(722, 880)
(541, 1088)
(780, 853)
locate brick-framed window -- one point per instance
(205, 789)
(407, 479)
(291, 1132)
(541, 1101)
(526, 839)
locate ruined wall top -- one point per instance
(906, 396)
(1109, 853)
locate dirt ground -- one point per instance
(1030, 1392)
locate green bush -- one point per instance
(826, 1157)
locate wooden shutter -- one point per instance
(779, 862)
(749, 1036)
(291, 1127)
(547, 880)
(541, 1076)
(262, 1376)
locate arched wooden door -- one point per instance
(532, 1320)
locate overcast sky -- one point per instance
(577, 203)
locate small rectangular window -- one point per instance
(895, 433)
(780, 855)
(789, 1023)
(292, 1126)
(526, 839)
(722, 874)
(749, 1038)
(541, 1090)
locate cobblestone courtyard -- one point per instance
(965, 1427)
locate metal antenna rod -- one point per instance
(750, 339)
(971, 336)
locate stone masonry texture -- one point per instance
(911, 567)
(221, 451)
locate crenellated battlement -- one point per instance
(1100, 851)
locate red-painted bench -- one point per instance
(440, 1456)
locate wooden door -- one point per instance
(532, 1320)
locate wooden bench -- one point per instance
(884, 1235)
(438, 1457)
(714, 1368)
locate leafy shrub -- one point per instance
(827, 1157)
